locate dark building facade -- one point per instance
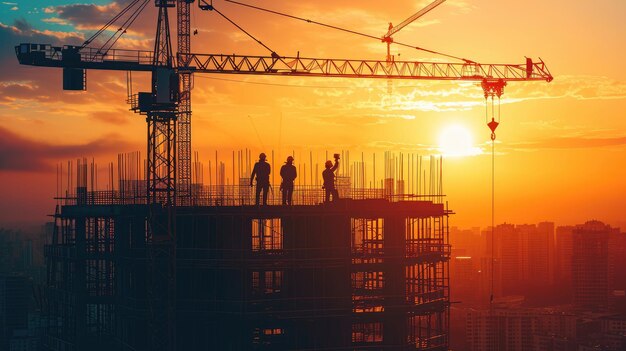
(14, 298)
(353, 274)
(594, 265)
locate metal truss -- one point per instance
(48, 56)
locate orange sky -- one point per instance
(561, 146)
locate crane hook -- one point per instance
(493, 88)
(493, 125)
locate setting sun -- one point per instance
(456, 141)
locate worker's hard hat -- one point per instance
(328, 164)
(262, 156)
(290, 159)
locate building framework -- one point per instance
(356, 274)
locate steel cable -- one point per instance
(347, 30)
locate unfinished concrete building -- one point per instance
(369, 271)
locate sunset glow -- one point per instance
(547, 128)
(457, 141)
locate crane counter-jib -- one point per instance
(136, 60)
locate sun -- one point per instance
(457, 141)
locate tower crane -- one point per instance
(393, 30)
(169, 134)
(167, 106)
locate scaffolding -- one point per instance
(369, 271)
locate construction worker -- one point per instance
(329, 179)
(262, 171)
(289, 174)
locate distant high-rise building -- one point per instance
(488, 281)
(564, 250)
(512, 250)
(593, 265)
(619, 291)
(541, 254)
(466, 248)
(501, 329)
(507, 327)
(481, 329)
(463, 277)
(13, 307)
(527, 257)
(466, 242)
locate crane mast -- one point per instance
(183, 166)
(161, 107)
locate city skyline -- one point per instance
(554, 287)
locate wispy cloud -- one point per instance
(115, 116)
(461, 6)
(92, 16)
(390, 145)
(569, 143)
(54, 20)
(579, 87)
(60, 35)
(18, 153)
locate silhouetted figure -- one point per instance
(289, 174)
(329, 179)
(262, 171)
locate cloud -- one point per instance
(23, 32)
(461, 6)
(34, 92)
(450, 97)
(62, 36)
(22, 25)
(89, 17)
(579, 87)
(570, 143)
(55, 20)
(10, 91)
(390, 145)
(115, 117)
(18, 153)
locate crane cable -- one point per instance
(492, 126)
(347, 30)
(113, 20)
(274, 54)
(109, 23)
(129, 22)
(493, 221)
(115, 37)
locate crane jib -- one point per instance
(134, 60)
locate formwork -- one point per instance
(361, 273)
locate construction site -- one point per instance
(368, 271)
(161, 256)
